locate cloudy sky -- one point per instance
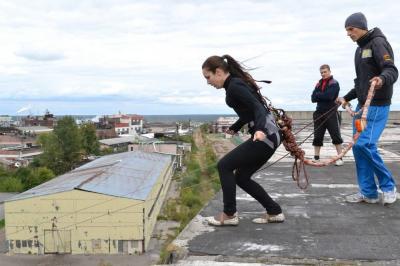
(101, 57)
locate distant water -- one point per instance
(80, 117)
(158, 118)
(183, 118)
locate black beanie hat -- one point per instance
(357, 20)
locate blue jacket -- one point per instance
(325, 99)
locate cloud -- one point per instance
(152, 51)
(40, 55)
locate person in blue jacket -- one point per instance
(374, 62)
(326, 116)
(238, 166)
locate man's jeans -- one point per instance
(368, 161)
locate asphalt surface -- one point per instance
(320, 226)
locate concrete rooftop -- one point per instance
(320, 228)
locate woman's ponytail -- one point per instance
(228, 64)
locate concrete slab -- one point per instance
(389, 145)
(320, 226)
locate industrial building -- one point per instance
(108, 206)
(130, 124)
(176, 148)
(223, 123)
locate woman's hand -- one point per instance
(259, 135)
(230, 132)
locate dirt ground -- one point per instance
(221, 145)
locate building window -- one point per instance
(96, 243)
(135, 244)
(120, 246)
(24, 244)
(18, 243)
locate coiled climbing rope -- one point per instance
(290, 144)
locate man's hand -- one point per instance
(342, 101)
(259, 135)
(378, 82)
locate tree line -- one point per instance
(64, 149)
(68, 145)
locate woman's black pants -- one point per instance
(237, 167)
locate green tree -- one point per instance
(11, 184)
(37, 176)
(3, 172)
(52, 152)
(70, 139)
(22, 174)
(62, 149)
(35, 162)
(29, 177)
(90, 143)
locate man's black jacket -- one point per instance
(373, 57)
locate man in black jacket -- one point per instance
(374, 62)
(326, 116)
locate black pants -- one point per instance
(237, 167)
(332, 123)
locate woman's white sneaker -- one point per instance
(223, 219)
(266, 218)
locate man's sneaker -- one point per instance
(266, 218)
(339, 162)
(358, 197)
(222, 219)
(390, 197)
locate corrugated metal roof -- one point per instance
(115, 141)
(35, 128)
(129, 175)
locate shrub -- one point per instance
(11, 184)
(190, 199)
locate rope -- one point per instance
(290, 144)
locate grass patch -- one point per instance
(199, 183)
